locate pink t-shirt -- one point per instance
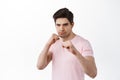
(65, 65)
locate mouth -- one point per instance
(61, 33)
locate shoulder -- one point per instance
(56, 44)
(78, 40)
(81, 39)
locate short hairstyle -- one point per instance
(63, 13)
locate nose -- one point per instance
(61, 28)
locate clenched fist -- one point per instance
(68, 45)
(53, 39)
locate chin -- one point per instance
(62, 36)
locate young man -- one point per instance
(71, 55)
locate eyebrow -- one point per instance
(65, 24)
(62, 24)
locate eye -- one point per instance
(66, 24)
(58, 25)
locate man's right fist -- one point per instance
(53, 39)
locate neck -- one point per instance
(69, 37)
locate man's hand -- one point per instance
(53, 39)
(68, 45)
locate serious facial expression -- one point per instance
(63, 27)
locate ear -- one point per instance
(72, 24)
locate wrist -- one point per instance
(48, 44)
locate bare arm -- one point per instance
(45, 56)
(88, 62)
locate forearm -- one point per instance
(88, 65)
(42, 60)
(45, 56)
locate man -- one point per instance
(71, 55)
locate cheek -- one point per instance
(57, 29)
(68, 30)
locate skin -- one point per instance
(65, 33)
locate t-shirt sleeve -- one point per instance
(87, 49)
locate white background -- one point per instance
(26, 25)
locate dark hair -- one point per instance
(63, 13)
